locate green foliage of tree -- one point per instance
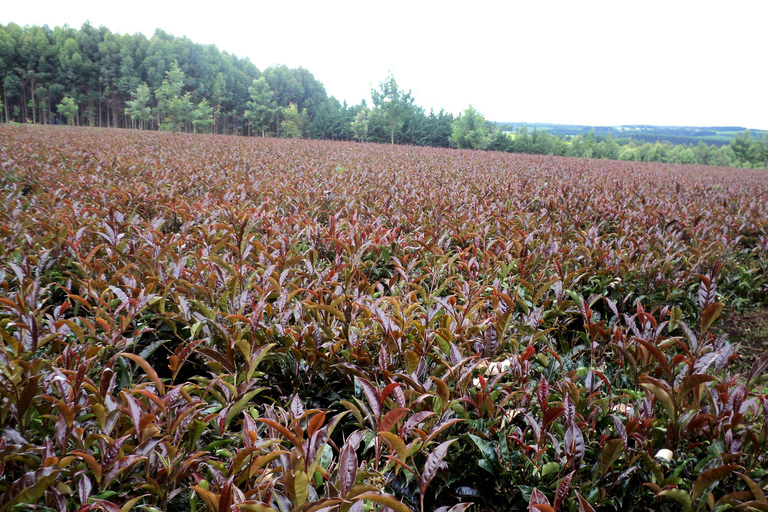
(438, 129)
(99, 69)
(629, 153)
(333, 121)
(499, 140)
(138, 108)
(68, 108)
(202, 116)
(682, 155)
(297, 86)
(360, 124)
(723, 156)
(394, 102)
(379, 127)
(293, 123)
(608, 148)
(657, 152)
(522, 141)
(470, 130)
(262, 110)
(751, 151)
(174, 107)
(743, 146)
(11, 90)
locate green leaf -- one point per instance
(658, 475)
(679, 496)
(203, 309)
(712, 476)
(397, 443)
(609, 454)
(487, 450)
(444, 346)
(675, 316)
(384, 499)
(661, 394)
(241, 404)
(549, 468)
(301, 487)
(128, 505)
(755, 488)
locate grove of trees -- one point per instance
(93, 77)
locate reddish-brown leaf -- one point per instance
(537, 498)
(29, 483)
(584, 505)
(118, 467)
(414, 420)
(433, 464)
(373, 396)
(758, 368)
(660, 358)
(543, 394)
(391, 418)
(574, 445)
(290, 436)
(225, 497)
(113, 450)
(84, 487)
(551, 415)
(348, 465)
(438, 429)
(315, 422)
(562, 489)
(710, 313)
(151, 373)
(297, 408)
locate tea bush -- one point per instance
(221, 323)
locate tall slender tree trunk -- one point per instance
(23, 104)
(34, 103)
(5, 104)
(100, 121)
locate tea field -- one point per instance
(208, 323)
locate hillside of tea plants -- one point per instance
(209, 323)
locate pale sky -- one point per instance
(591, 62)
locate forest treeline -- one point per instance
(94, 77)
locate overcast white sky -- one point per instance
(592, 62)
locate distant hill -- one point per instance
(717, 135)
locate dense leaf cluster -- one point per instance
(222, 323)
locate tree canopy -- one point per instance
(393, 101)
(470, 130)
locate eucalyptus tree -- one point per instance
(262, 110)
(393, 101)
